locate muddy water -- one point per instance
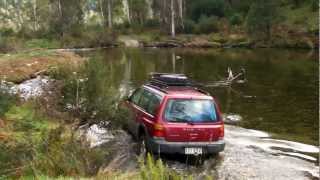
(280, 99)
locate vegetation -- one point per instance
(92, 23)
(34, 145)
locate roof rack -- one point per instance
(167, 79)
(162, 81)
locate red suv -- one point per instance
(171, 115)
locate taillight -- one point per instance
(158, 130)
(221, 131)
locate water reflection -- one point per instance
(281, 95)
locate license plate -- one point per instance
(194, 151)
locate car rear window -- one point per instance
(190, 110)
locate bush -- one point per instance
(37, 145)
(156, 170)
(151, 23)
(206, 8)
(235, 19)
(189, 26)
(208, 24)
(89, 94)
(5, 32)
(6, 100)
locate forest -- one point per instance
(207, 23)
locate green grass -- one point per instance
(26, 54)
(42, 43)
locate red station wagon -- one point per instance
(171, 115)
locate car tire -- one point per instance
(142, 149)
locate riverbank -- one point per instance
(282, 38)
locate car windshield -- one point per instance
(190, 110)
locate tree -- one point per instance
(138, 11)
(173, 28)
(109, 2)
(66, 16)
(261, 17)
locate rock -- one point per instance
(232, 118)
(31, 88)
(129, 42)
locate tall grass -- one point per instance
(151, 169)
(34, 144)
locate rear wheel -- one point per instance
(142, 149)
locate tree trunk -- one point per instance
(109, 14)
(18, 5)
(35, 15)
(60, 8)
(101, 12)
(173, 30)
(180, 2)
(5, 4)
(127, 9)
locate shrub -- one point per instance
(37, 145)
(208, 24)
(235, 19)
(189, 26)
(5, 32)
(89, 94)
(151, 23)
(156, 170)
(6, 100)
(206, 8)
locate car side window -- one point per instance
(135, 97)
(145, 99)
(153, 104)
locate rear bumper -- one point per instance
(163, 146)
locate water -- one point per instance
(280, 97)
(275, 112)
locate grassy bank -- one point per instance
(34, 145)
(17, 67)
